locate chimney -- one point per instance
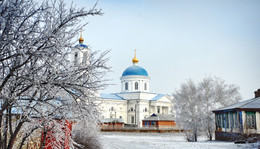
(257, 93)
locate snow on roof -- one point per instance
(160, 117)
(111, 96)
(24, 104)
(112, 120)
(158, 97)
(253, 103)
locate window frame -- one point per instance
(126, 86)
(136, 85)
(250, 120)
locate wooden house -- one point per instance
(238, 121)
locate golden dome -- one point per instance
(81, 39)
(135, 60)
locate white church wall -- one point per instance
(113, 109)
(144, 111)
(147, 96)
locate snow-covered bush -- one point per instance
(85, 135)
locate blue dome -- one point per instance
(81, 45)
(135, 70)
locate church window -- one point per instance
(136, 85)
(76, 58)
(76, 55)
(145, 86)
(120, 116)
(84, 57)
(131, 109)
(112, 109)
(250, 120)
(145, 109)
(132, 119)
(126, 86)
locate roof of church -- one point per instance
(135, 70)
(111, 96)
(158, 97)
(115, 96)
(253, 103)
(160, 117)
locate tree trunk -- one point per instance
(209, 134)
(195, 136)
(1, 140)
(13, 136)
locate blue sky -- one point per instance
(178, 40)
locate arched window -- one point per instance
(76, 55)
(112, 109)
(76, 58)
(126, 86)
(145, 109)
(85, 55)
(145, 86)
(131, 109)
(136, 85)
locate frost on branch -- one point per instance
(194, 104)
(37, 81)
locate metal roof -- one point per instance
(158, 97)
(135, 70)
(160, 117)
(112, 120)
(81, 45)
(111, 96)
(253, 103)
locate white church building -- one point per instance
(135, 102)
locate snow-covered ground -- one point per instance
(121, 140)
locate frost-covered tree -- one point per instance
(84, 136)
(194, 104)
(38, 84)
(215, 93)
(188, 110)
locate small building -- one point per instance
(159, 121)
(112, 123)
(238, 121)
